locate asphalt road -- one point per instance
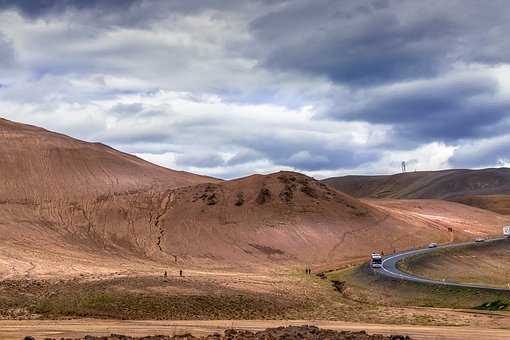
(390, 269)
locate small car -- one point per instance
(433, 245)
(479, 239)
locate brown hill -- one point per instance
(51, 185)
(281, 218)
(445, 184)
(69, 207)
(40, 165)
(289, 216)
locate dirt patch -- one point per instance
(266, 249)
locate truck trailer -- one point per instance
(376, 260)
(506, 231)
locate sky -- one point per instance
(231, 88)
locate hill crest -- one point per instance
(443, 184)
(40, 165)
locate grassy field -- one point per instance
(482, 263)
(361, 285)
(143, 298)
(291, 296)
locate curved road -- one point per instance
(390, 269)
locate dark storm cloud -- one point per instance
(200, 160)
(361, 43)
(441, 110)
(129, 13)
(40, 8)
(7, 57)
(375, 49)
(304, 152)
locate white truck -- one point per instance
(506, 231)
(376, 260)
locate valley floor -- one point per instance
(80, 328)
(217, 296)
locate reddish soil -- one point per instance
(449, 221)
(70, 208)
(40, 166)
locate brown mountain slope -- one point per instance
(69, 207)
(289, 216)
(39, 165)
(51, 187)
(278, 219)
(445, 184)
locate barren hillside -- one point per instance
(445, 184)
(39, 165)
(70, 207)
(289, 216)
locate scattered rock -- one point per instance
(309, 191)
(239, 199)
(339, 285)
(264, 196)
(212, 199)
(322, 276)
(288, 333)
(209, 195)
(287, 178)
(287, 194)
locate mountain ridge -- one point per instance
(68, 206)
(441, 184)
(39, 164)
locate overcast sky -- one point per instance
(229, 88)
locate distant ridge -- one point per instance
(443, 184)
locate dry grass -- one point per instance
(496, 203)
(485, 264)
